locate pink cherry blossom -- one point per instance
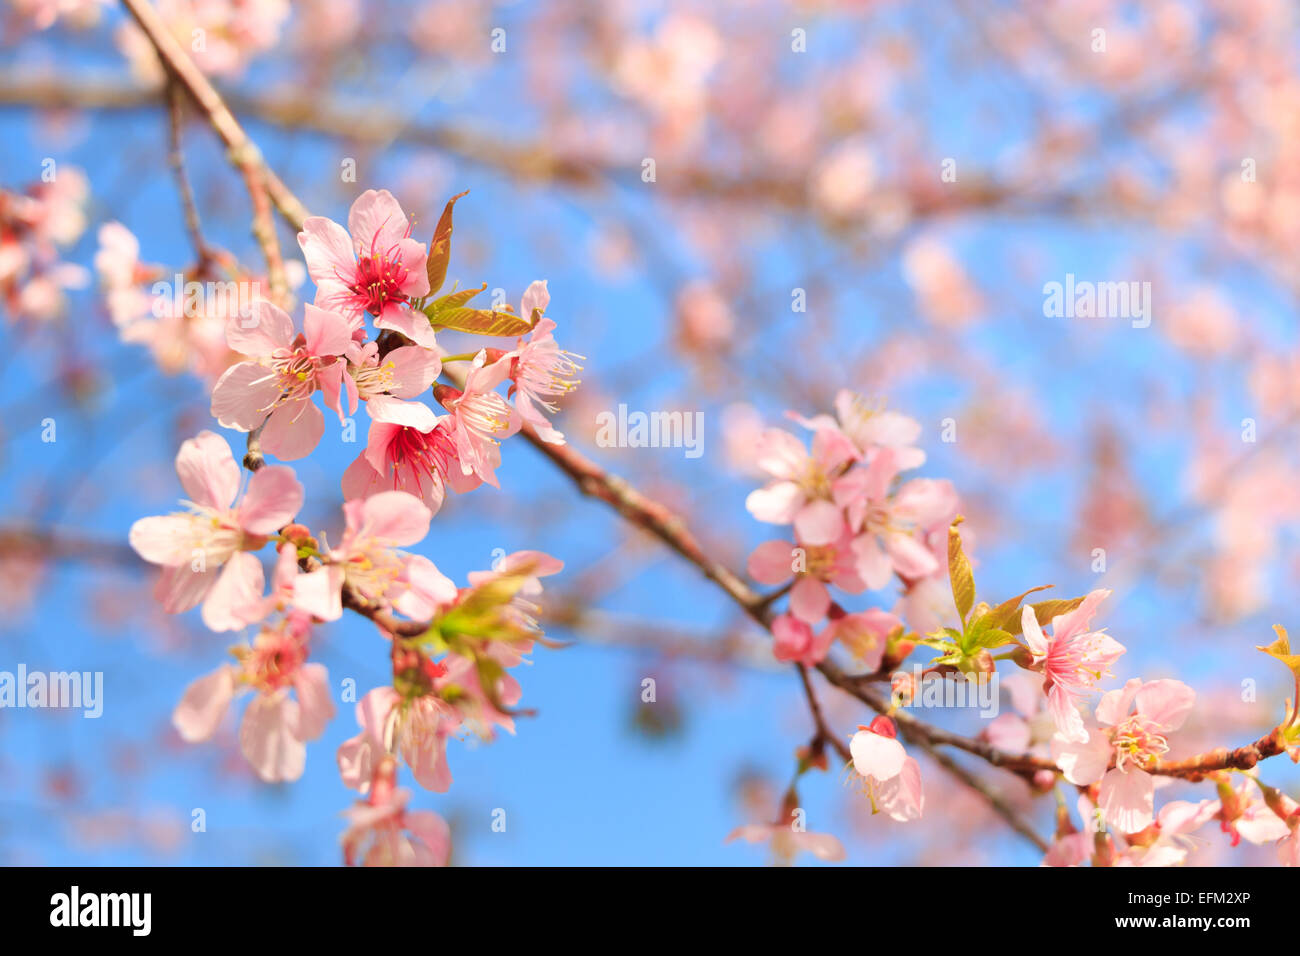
(541, 370)
(378, 268)
(407, 449)
(417, 728)
(366, 559)
(1072, 660)
(893, 779)
(800, 492)
(204, 552)
(813, 567)
(275, 726)
(1135, 722)
(286, 371)
(378, 828)
(403, 373)
(479, 418)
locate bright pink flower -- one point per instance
(479, 418)
(793, 640)
(1136, 720)
(275, 727)
(1072, 660)
(407, 449)
(788, 842)
(377, 832)
(286, 371)
(541, 370)
(377, 269)
(204, 552)
(801, 490)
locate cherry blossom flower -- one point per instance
(541, 370)
(813, 567)
(871, 428)
(286, 371)
(403, 373)
(407, 449)
(275, 726)
(1072, 660)
(204, 552)
(1136, 720)
(893, 779)
(478, 418)
(366, 558)
(417, 728)
(801, 490)
(378, 828)
(374, 266)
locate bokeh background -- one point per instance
(796, 146)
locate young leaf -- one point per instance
(481, 322)
(1044, 611)
(1008, 612)
(959, 572)
(440, 248)
(1281, 649)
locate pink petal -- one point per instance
(818, 523)
(266, 328)
(772, 562)
(273, 498)
(1128, 799)
(315, 708)
(327, 248)
(243, 394)
(877, 756)
(326, 333)
(208, 471)
(238, 586)
(204, 704)
(267, 739)
(809, 600)
(376, 222)
(1166, 702)
(294, 430)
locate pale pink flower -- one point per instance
(800, 492)
(890, 530)
(478, 418)
(870, 427)
(893, 779)
(787, 842)
(287, 370)
(1072, 660)
(417, 728)
(541, 370)
(204, 553)
(275, 727)
(378, 827)
(366, 558)
(311, 592)
(813, 567)
(378, 268)
(1136, 720)
(403, 373)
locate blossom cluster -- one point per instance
(369, 339)
(34, 225)
(858, 527)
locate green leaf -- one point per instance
(440, 248)
(959, 572)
